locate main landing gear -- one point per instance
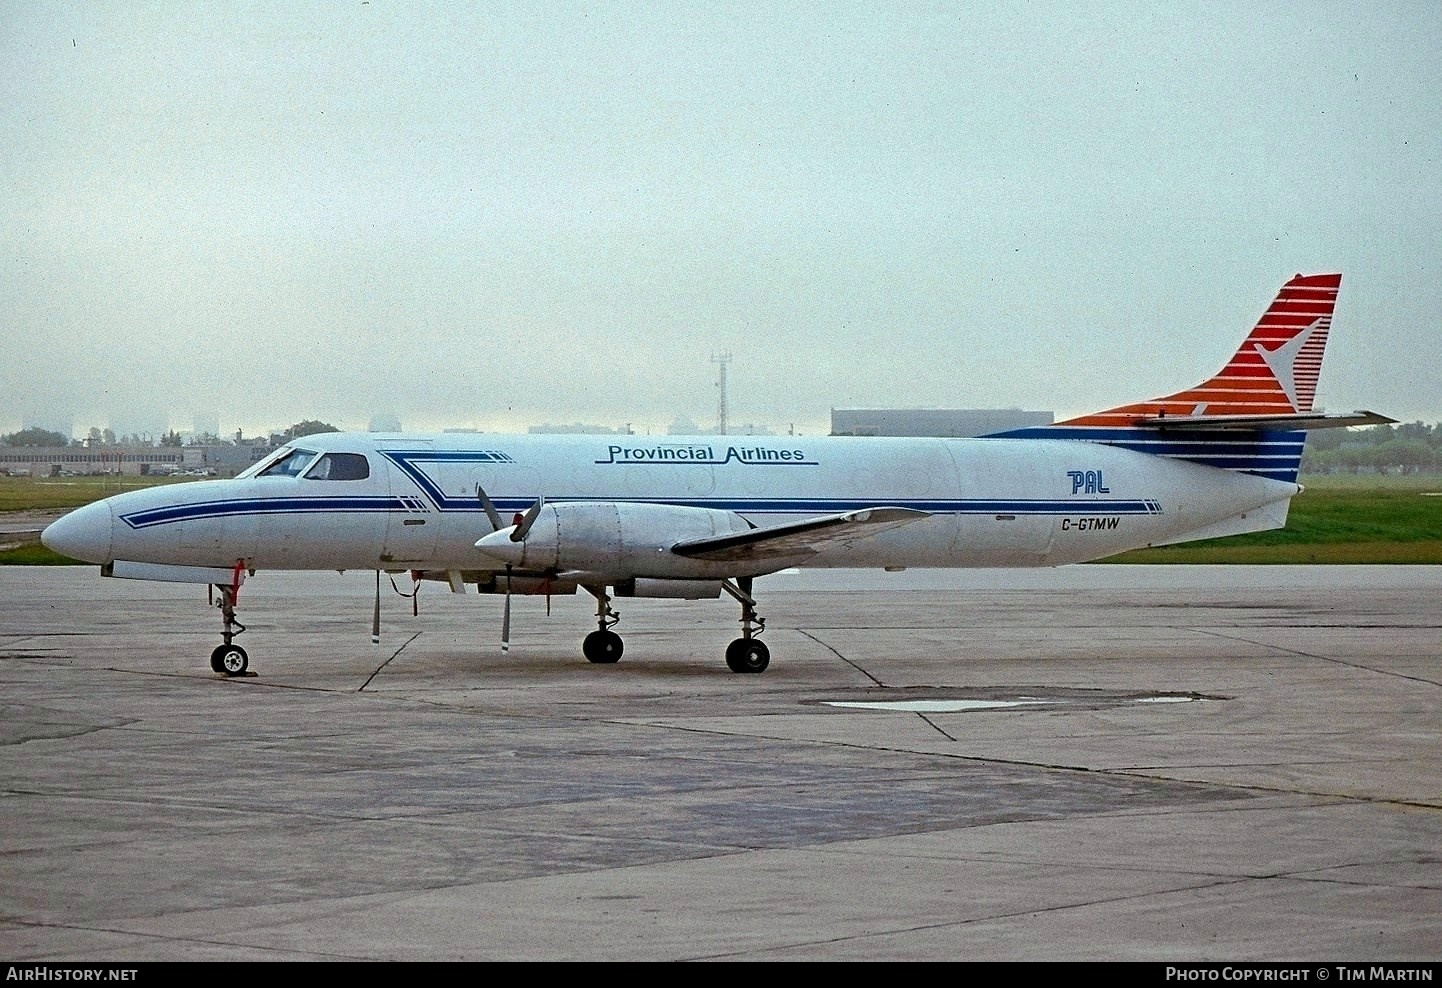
(746, 654)
(229, 658)
(603, 646)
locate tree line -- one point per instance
(106, 437)
(1409, 447)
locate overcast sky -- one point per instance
(497, 215)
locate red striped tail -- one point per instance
(1274, 372)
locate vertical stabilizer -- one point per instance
(1274, 372)
(1271, 380)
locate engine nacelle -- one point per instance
(616, 539)
(669, 589)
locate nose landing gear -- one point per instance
(229, 658)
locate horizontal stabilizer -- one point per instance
(800, 538)
(1298, 420)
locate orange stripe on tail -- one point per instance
(1273, 372)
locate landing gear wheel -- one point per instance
(229, 659)
(603, 647)
(748, 655)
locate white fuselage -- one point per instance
(993, 502)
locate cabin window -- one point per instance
(292, 464)
(340, 466)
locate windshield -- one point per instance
(291, 463)
(260, 464)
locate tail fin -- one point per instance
(1274, 372)
(1253, 415)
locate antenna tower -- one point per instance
(721, 359)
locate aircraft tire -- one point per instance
(603, 647)
(229, 659)
(747, 655)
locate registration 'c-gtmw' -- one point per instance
(697, 517)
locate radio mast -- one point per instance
(721, 360)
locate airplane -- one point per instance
(695, 517)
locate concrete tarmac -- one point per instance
(1100, 762)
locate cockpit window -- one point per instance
(289, 465)
(260, 465)
(340, 466)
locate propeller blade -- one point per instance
(376, 617)
(506, 619)
(491, 512)
(532, 513)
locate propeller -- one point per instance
(491, 512)
(507, 542)
(527, 520)
(376, 617)
(506, 619)
(519, 528)
(521, 523)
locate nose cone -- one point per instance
(83, 534)
(498, 545)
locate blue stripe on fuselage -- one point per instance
(267, 506)
(779, 506)
(1272, 453)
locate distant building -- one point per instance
(947, 423)
(577, 429)
(683, 426)
(220, 460)
(58, 461)
(228, 459)
(384, 422)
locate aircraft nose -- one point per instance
(83, 534)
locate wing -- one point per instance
(802, 538)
